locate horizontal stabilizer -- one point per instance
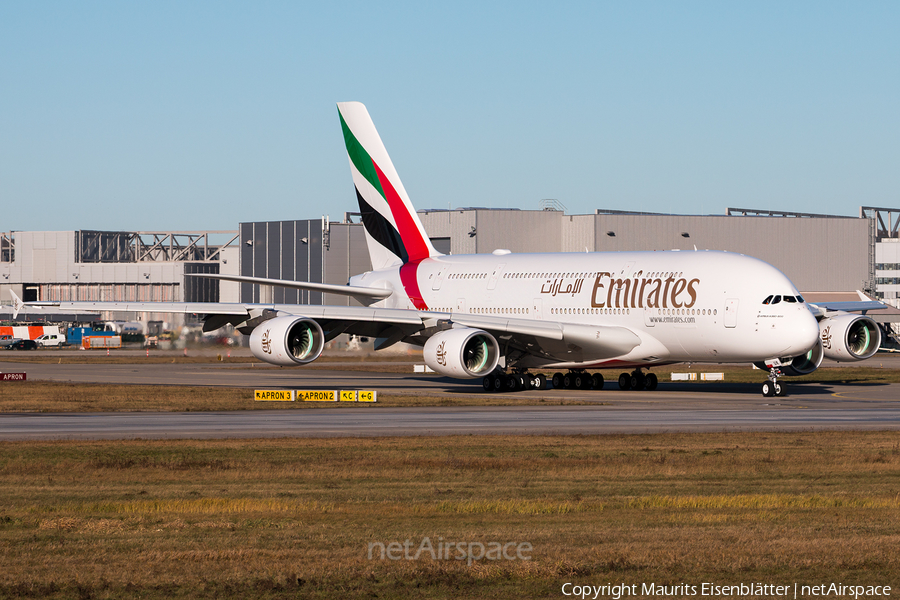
(343, 290)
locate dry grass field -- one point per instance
(294, 518)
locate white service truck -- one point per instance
(51, 340)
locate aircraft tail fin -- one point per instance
(18, 305)
(394, 233)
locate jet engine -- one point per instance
(849, 337)
(463, 352)
(805, 363)
(287, 341)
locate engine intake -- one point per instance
(287, 341)
(463, 352)
(849, 337)
(799, 365)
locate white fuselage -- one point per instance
(686, 306)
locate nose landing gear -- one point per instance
(771, 387)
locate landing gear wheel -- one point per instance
(624, 381)
(652, 381)
(541, 381)
(597, 381)
(497, 382)
(772, 387)
(568, 381)
(510, 383)
(557, 381)
(488, 383)
(523, 381)
(580, 381)
(637, 381)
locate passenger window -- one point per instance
(768, 299)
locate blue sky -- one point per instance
(201, 115)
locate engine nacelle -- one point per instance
(462, 352)
(805, 363)
(287, 341)
(849, 337)
(796, 365)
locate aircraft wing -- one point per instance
(343, 290)
(549, 339)
(556, 340)
(245, 310)
(822, 308)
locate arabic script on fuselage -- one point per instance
(631, 292)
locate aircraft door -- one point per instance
(731, 308)
(461, 305)
(438, 279)
(495, 275)
(536, 309)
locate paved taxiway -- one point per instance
(673, 407)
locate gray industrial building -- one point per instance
(828, 257)
(818, 253)
(311, 250)
(822, 254)
(116, 266)
(886, 222)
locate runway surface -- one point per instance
(373, 421)
(673, 407)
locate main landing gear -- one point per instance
(637, 380)
(499, 381)
(772, 387)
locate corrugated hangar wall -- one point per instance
(818, 254)
(306, 250)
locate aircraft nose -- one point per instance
(806, 332)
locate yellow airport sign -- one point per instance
(366, 396)
(348, 395)
(317, 395)
(273, 395)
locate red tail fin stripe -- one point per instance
(416, 247)
(410, 280)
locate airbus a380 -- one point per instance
(501, 316)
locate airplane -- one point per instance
(503, 316)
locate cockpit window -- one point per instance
(776, 299)
(790, 299)
(800, 299)
(768, 299)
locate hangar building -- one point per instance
(828, 257)
(116, 266)
(822, 254)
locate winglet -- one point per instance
(18, 305)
